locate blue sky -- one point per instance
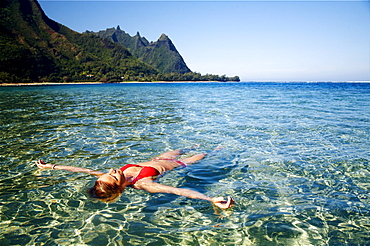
(256, 40)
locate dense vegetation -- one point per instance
(34, 48)
(191, 76)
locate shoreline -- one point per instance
(167, 82)
(98, 83)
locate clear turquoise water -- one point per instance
(296, 160)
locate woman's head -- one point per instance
(108, 187)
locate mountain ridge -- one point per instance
(161, 54)
(36, 48)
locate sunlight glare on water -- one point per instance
(296, 160)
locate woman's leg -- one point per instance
(195, 158)
(175, 153)
(192, 159)
(170, 155)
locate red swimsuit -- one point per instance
(147, 171)
(144, 172)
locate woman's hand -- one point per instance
(222, 203)
(42, 164)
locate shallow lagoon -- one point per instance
(296, 160)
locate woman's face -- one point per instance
(113, 177)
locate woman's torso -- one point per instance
(161, 165)
(142, 170)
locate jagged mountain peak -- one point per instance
(161, 54)
(163, 37)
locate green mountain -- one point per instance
(36, 48)
(161, 54)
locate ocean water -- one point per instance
(295, 159)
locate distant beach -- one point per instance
(47, 83)
(95, 83)
(165, 82)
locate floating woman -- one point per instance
(109, 186)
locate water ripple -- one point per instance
(296, 160)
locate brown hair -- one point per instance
(105, 192)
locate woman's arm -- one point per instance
(152, 187)
(43, 165)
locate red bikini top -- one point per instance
(146, 171)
